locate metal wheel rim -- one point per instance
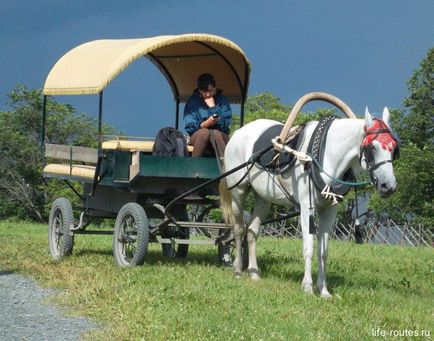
(128, 238)
(58, 233)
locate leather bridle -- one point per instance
(388, 141)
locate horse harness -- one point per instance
(274, 161)
(277, 162)
(316, 150)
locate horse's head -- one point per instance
(379, 149)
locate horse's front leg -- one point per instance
(259, 213)
(327, 217)
(307, 249)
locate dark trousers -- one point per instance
(205, 138)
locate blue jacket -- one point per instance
(196, 111)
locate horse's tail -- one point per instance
(226, 203)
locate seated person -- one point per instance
(207, 115)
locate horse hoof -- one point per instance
(237, 275)
(308, 288)
(326, 295)
(255, 277)
(254, 274)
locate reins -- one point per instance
(348, 183)
(251, 161)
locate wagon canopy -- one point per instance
(90, 67)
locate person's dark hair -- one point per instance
(204, 80)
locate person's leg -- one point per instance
(221, 140)
(200, 141)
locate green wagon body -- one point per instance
(130, 184)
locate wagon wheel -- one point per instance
(176, 250)
(60, 239)
(131, 235)
(226, 252)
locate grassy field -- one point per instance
(379, 288)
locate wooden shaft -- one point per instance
(313, 96)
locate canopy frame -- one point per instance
(200, 39)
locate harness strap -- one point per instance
(378, 131)
(374, 167)
(283, 189)
(302, 157)
(250, 163)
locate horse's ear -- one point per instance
(386, 116)
(368, 118)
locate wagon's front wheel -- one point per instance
(60, 238)
(131, 235)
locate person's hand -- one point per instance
(209, 122)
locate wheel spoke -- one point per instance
(131, 235)
(128, 238)
(61, 239)
(58, 220)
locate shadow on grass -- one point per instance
(155, 257)
(6, 273)
(288, 268)
(90, 252)
(283, 268)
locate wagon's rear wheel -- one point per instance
(60, 238)
(131, 235)
(176, 250)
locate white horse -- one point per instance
(360, 145)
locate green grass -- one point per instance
(374, 286)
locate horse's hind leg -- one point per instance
(327, 217)
(259, 213)
(238, 200)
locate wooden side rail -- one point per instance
(71, 153)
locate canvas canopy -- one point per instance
(90, 67)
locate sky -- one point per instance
(360, 51)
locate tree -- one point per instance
(414, 196)
(22, 189)
(414, 171)
(418, 125)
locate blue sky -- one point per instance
(361, 51)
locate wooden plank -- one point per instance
(199, 224)
(186, 241)
(135, 164)
(74, 153)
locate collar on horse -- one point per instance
(316, 150)
(379, 131)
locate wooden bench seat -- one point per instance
(84, 169)
(89, 157)
(79, 171)
(133, 146)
